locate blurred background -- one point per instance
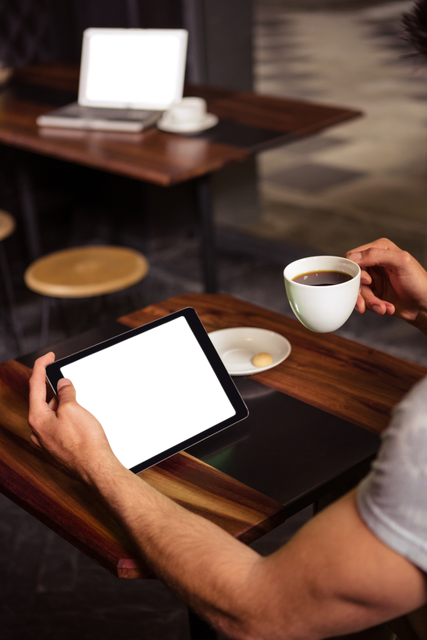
(357, 181)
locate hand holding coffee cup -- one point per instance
(322, 291)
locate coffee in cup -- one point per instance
(322, 291)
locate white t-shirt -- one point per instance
(392, 499)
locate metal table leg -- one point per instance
(30, 213)
(16, 322)
(207, 232)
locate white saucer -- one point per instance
(236, 348)
(189, 127)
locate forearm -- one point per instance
(201, 563)
(313, 587)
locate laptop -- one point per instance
(128, 78)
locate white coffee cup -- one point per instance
(187, 111)
(322, 308)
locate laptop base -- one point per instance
(76, 116)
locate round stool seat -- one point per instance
(82, 272)
(7, 225)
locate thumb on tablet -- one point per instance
(66, 390)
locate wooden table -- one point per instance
(343, 378)
(248, 124)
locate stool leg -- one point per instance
(16, 325)
(44, 333)
(29, 210)
(94, 313)
(65, 316)
(207, 233)
(134, 299)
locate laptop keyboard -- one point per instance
(78, 111)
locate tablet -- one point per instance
(156, 389)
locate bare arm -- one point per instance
(393, 282)
(334, 576)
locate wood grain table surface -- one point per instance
(341, 377)
(153, 156)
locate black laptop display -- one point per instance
(156, 389)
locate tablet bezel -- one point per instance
(54, 374)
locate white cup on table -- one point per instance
(187, 111)
(322, 307)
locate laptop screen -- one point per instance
(137, 68)
(132, 68)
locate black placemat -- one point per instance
(242, 135)
(287, 449)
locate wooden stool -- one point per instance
(83, 272)
(7, 227)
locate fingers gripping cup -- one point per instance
(322, 291)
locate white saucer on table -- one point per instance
(165, 124)
(237, 346)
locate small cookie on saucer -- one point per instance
(262, 359)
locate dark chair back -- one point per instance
(26, 32)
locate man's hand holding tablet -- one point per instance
(67, 431)
(156, 389)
